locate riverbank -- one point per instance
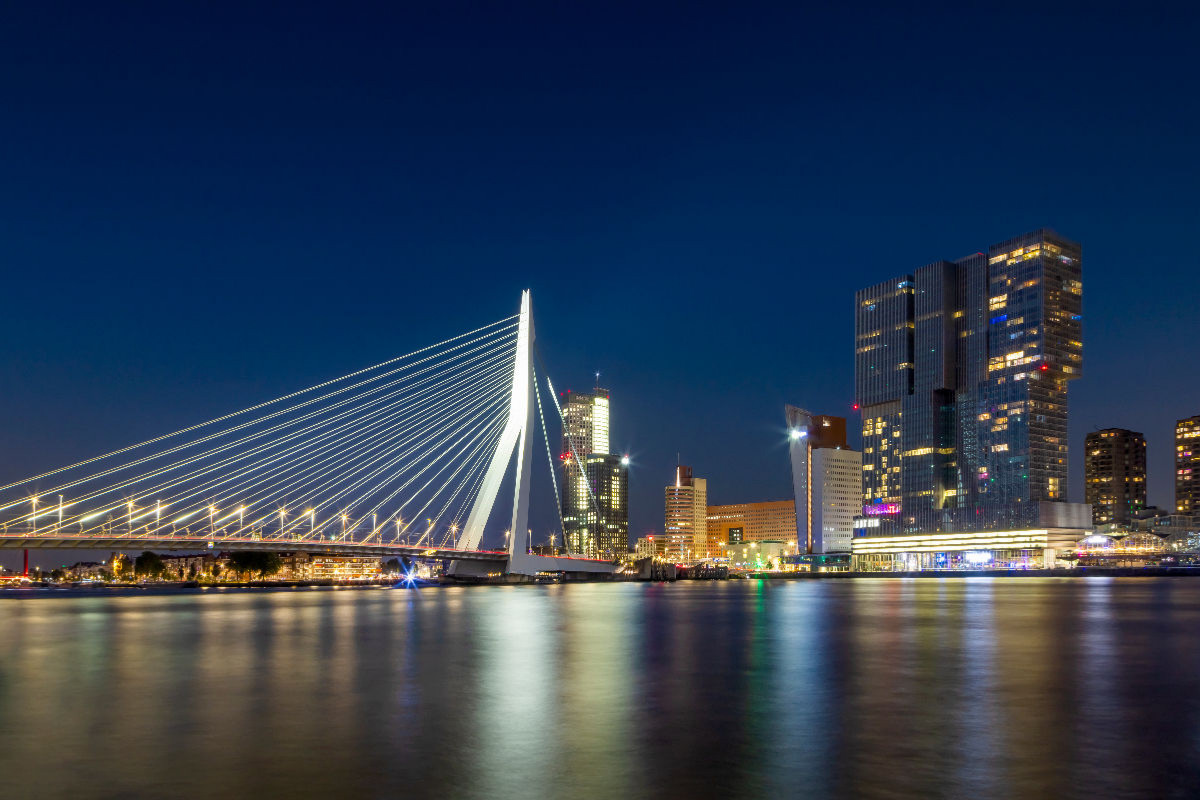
(14, 590)
(158, 586)
(1075, 572)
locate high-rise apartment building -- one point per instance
(961, 374)
(1114, 475)
(686, 518)
(1187, 466)
(595, 491)
(826, 481)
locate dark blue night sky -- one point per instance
(205, 206)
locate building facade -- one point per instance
(1187, 466)
(650, 546)
(749, 522)
(595, 490)
(1115, 475)
(961, 375)
(826, 481)
(685, 524)
(600, 519)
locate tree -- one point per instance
(256, 563)
(216, 571)
(392, 566)
(149, 565)
(192, 572)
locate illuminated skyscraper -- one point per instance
(961, 373)
(686, 517)
(1114, 475)
(595, 491)
(883, 369)
(585, 422)
(1187, 466)
(826, 481)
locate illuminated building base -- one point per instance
(1026, 549)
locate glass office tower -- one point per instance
(595, 489)
(961, 375)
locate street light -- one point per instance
(60, 507)
(212, 530)
(33, 517)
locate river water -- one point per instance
(839, 688)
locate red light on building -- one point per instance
(1044, 367)
(856, 406)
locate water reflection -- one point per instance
(865, 688)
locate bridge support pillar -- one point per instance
(517, 437)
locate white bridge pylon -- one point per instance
(518, 436)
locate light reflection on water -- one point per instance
(863, 688)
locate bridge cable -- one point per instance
(495, 386)
(537, 393)
(575, 454)
(256, 407)
(264, 447)
(214, 435)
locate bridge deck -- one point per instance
(198, 544)
(52, 541)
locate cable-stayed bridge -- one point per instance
(404, 458)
